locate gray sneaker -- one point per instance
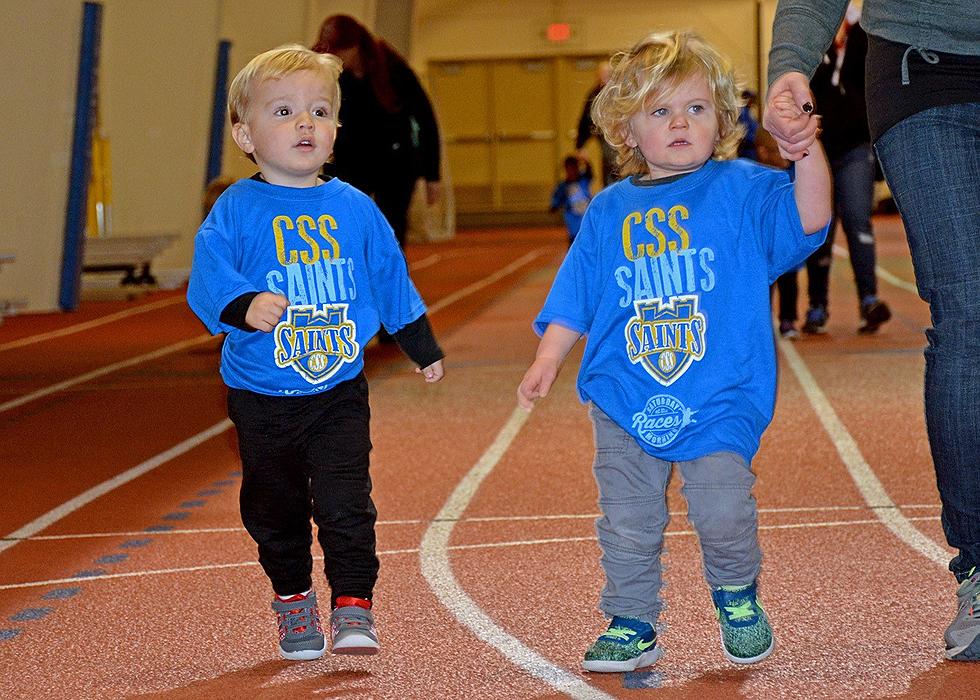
(300, 634)
(352, 631)
(963, 636)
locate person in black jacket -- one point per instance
(388, 137)
(838, 86)
(586, 129)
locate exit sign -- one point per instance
(558, 32)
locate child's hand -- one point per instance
(789, 115)
(433, 373)
(265, 311)
(537, 382)
(784, 108)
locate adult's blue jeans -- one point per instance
(854, 173)
(931, 161)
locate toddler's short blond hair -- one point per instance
(651, 70)
(275, 64)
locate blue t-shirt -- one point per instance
(671, 285)
(329, 250)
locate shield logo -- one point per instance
(316, 342)
(666, 338)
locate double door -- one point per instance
(507, 125)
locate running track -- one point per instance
(124, 570)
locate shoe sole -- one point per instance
(967, 652)
(356, 645)
(751, 659)
(645, 659)
(355, 650)
(303, 654)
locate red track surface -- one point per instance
(490, 571)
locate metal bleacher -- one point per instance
(130, 254)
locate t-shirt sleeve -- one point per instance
(215, 281)
(573, 297)
(397, 299)
(772, 206)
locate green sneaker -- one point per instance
(746, 636)
(627, 645)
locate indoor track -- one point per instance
(125, 572)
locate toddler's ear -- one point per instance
(239, 132)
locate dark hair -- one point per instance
(344, 32)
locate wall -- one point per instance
(514, 28)
(40, 60)
(158, 65)
(157, 68)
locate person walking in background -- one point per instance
(587, 130)
(388, 137)
(293, 356)
(838, 86)
(746, 147)
(679, 363)
(787, 286)
(573, 194)
(923, 100)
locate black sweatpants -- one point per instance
(303, 457)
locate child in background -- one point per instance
(572, 195)
(669, 281)
(299, 273)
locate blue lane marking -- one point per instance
(159, 528)
(236, 473)
(30, 614)
(180, 515)
(192, 504)
(89, 573)
(133, 544)
(112, 559)
(8, 634)
(209, 492)
(61, 593)
(642, 679)
(224, 482)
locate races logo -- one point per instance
(666, 338)
(316, 342)
(661, 420)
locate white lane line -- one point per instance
(434, 558)
(884, 274)
(94, 323)
(102, 371)
(105, 487)
(486, 281)
(425, 262)
(871, 489)
(483, 519)
(395, 552)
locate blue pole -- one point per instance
(76, 208)
(218, 113)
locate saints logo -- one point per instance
(316, 342)
(666, 338)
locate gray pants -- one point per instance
(632, 498)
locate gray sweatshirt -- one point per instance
(803, 29)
